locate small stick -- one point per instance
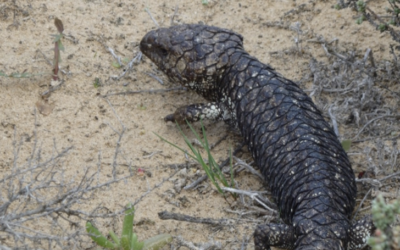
(152, 154)
(136, 59)
(187, 244)
(151, 16)
(101, 39)
(118, 58)
(49, 62)
(372, 182)
(212, 146)
(326, 50)
(196, 182)
(248, 167)
(156, 186)
(389, 176)
(359, 206)
(227, 160)
(175, 14)
(165, 215)
(392, 52)
(334, 123)
(152, 91)
(368, 54)
(372, 120)
(121, 134)
(254, 196)
(365, 208)
(52, 89)
(245, 242)
(211, 245)
(155, 77)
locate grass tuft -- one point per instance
(211, 168)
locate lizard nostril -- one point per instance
(144, 46)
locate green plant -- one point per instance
(395, 11)
(346, 144)
(383, 215)
(142, 107)
(212, 169)
(128, 239)
(361, 9)
(116, 65)
(361, 6)
(382, 27)
(96, 82)
(360, 19)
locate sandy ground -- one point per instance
(78, 116)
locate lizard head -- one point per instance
(195, 56)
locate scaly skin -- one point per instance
(302, 160)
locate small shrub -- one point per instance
(383, 215)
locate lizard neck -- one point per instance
(239, 83)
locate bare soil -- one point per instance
(77, 115)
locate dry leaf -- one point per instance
(44, 107)
(59, 25)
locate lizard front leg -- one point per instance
(195, 112)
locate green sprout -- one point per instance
(128, 239)
(382, 27)
(96, 82)
(58, 46)
(360, 19)
(116, 65)
(142, 107)
(361, 8)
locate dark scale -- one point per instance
(302, 160)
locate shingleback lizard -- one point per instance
(299, 155)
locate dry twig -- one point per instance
(38, 191)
